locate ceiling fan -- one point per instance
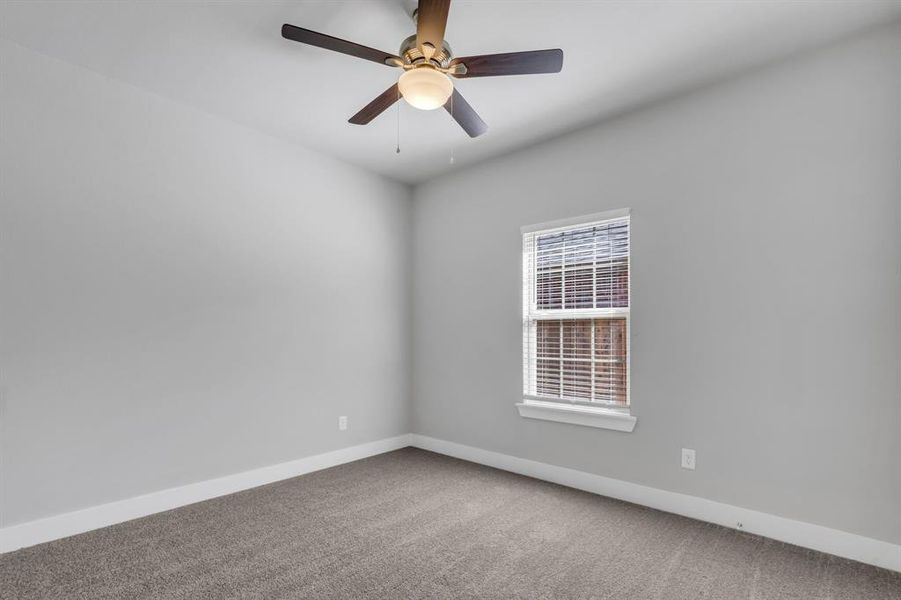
(427, 60)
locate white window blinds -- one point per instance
(576, 312)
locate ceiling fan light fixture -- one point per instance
(427, 61)
(425, 87)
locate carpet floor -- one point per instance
(413, 524)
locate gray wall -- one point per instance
(176, 291)
(182, 298)
(766, 290)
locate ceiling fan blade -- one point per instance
(321, 40)
(376, 107)
(511, 63)
(431, 19)
(465, 115)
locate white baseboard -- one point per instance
(816, 537)
(95, 517)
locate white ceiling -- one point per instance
(228, 59)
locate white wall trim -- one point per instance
(95, 517)
(576, 414)
(607, 215)
(816, 537)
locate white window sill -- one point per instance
(577, 414)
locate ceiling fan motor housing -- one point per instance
(413, 55)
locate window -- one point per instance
(576, 298)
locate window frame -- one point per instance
(594, 413)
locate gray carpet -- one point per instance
(412, 524)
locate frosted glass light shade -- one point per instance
(425, 88)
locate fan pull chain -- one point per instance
(453, 116)
(397, 149)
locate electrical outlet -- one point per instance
(342, 423)
(688, 458)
